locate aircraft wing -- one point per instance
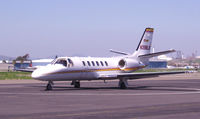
(138, 75)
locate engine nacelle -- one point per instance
(129, 65)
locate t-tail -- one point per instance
(144, 45)
(143, 51)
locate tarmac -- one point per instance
(173, 96)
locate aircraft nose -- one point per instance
(41, 73)
(44, 73)
(36, 74)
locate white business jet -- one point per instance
(77, 69)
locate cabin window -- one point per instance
(88, 63)
(97, 63)
(93, 63)
(83, 63)
(106, 63)
(101, 63)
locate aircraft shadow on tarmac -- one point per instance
(152, 88)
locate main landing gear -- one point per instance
(76, 84)
(49, 85)
(123, 84)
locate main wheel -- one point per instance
(77, 84)
(123, 86)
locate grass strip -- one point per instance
(14, 75)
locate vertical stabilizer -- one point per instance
(144, 46)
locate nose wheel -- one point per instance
(49, 85)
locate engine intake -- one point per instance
(129, 65)
(122, 64)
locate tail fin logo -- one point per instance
(145, 47)
(146, 40)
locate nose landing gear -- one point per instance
(49, 85)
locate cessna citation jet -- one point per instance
(77, 69)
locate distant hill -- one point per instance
(3, 57)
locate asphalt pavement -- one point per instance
(156, 98)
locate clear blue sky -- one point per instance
(90, 27)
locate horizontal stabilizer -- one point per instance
(118, 52)
(150, 55)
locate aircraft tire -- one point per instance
(123, 86)
(49, 86)
(77, 85)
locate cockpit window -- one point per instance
(65, 62)
(70, 63)
(61, 61)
